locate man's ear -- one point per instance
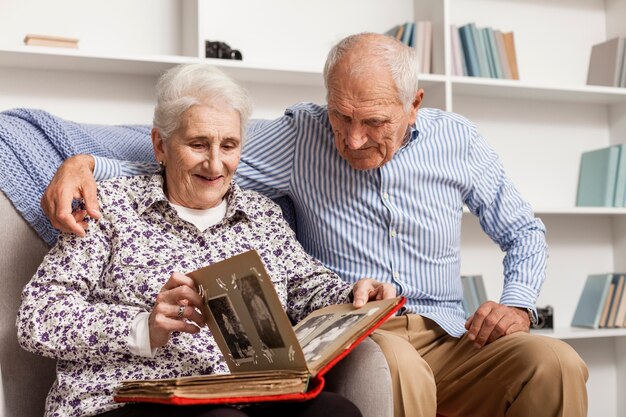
(415, 105)
(158, 145)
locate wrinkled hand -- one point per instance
(178, 291)
(491, 321)
(73, 180)
(368, 289)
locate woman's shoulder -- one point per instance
(117, 192)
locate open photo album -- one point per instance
(268, 358)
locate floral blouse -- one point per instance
(79, 306)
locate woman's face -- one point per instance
(201, 156)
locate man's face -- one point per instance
(367, 117)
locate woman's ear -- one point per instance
(159, 146)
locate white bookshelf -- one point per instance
(539, 125)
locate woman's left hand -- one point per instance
(368, 289)
(175, 310)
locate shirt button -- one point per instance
(393, 233)
(396, 275)
(385, 196)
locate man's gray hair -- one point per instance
(402, 61)
(186, 85)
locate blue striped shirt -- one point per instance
(400, 223)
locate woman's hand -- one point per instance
(175, 310)
(368, 289)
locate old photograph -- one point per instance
(259, 310)
(230, 326)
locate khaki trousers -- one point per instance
(520, 375)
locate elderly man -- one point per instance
(379, 185)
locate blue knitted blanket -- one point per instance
(33, 143)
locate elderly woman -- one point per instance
(116, 305)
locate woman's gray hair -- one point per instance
(186, 85)
(402, 61)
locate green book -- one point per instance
(470, 301)
(481, 292)
(620, 179)
(592, 301)
(598, 177)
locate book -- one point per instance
(604, 316)
(54, 41)
(489, 50)
(459, 67)
(409, 27)
(425, 31)
(481, 51)
(618, 282)
(620, 316)
(619, 198)
(511, 54)
(268, 359)
(469, 50)
(605, 63)
(504, 61)
(597, 177)
(495, 52)
(592, 301)
(474, 293)
(622, 77)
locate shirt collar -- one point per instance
(238, 201)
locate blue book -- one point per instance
(468, 303)
(481, 51)
(481, 292)
(598, 177)
(484, 33)
(592, 301)
(494, 53)
(469, 51)
(408, 32)
(620, 179)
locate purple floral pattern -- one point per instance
(79, 305)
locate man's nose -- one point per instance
(356, 136)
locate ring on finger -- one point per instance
(181, 312)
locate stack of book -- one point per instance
(602, 303)
(607, 64)
(474, 293)
(46, 40)
(418, 35)
(483, 52)
(602, 178)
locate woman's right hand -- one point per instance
(175, 310)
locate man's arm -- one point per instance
(509, 221)
(76, 180)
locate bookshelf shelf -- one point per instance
(513, 89)
(84, 61)
(570, 333)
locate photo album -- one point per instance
(268, 358)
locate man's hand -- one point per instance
(73, 180)
(368, 289)
(492, 321)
